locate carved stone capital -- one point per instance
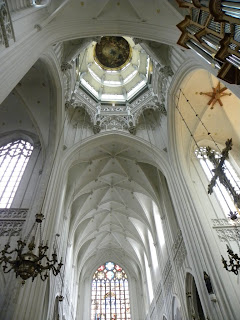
(138, 40)
(96, 128)
(132, 129)
(38, 27)
(166, 71)
(226, 230)
(65, 66)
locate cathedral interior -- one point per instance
(119, 159)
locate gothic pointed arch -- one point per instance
(14, 157)
(194, 304)
(110, 293)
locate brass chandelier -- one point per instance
(29, 258)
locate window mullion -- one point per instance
(14, 160)
(19, 172)
(10, 176)
(113, 293)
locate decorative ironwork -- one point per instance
(28, 262)
(234, 261)
(219, 172)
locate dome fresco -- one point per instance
(112, 52)
(115, 69)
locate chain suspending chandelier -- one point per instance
(29, 258)
(219, 174)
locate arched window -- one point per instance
(14, 157)
(110, 293)
(220, 190)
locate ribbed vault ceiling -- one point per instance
(111, 196)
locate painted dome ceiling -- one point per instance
(114, 70)
(112, 53)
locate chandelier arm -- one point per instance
(42, 256)
(47, 267)
(52, 260)
(10, 252)
(5, 267)
(44, 277)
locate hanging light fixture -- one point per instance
(234, 261)
(29, 258)
(218, 173)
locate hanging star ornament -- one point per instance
(216, 95)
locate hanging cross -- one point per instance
(219, 164)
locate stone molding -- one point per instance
(168, 277)
(83, 97)
(179, 250)
(65, 66)
(158, 290)
(142, 100)
(224, 223)
(11, 221)
(159, 302)
(164, 75)
(6, 28)
(227, 232)
(10, 214)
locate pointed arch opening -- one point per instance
(194, 304)
(14, 157)
(110, 293)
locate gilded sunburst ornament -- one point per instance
(216, 95)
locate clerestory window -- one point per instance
(110, 293)
(14, 157)
(224, 196)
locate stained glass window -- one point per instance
(110, 293)
(14, 157)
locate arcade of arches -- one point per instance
(101, 117)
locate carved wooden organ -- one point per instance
(212, 30)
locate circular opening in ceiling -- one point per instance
(112, 53)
